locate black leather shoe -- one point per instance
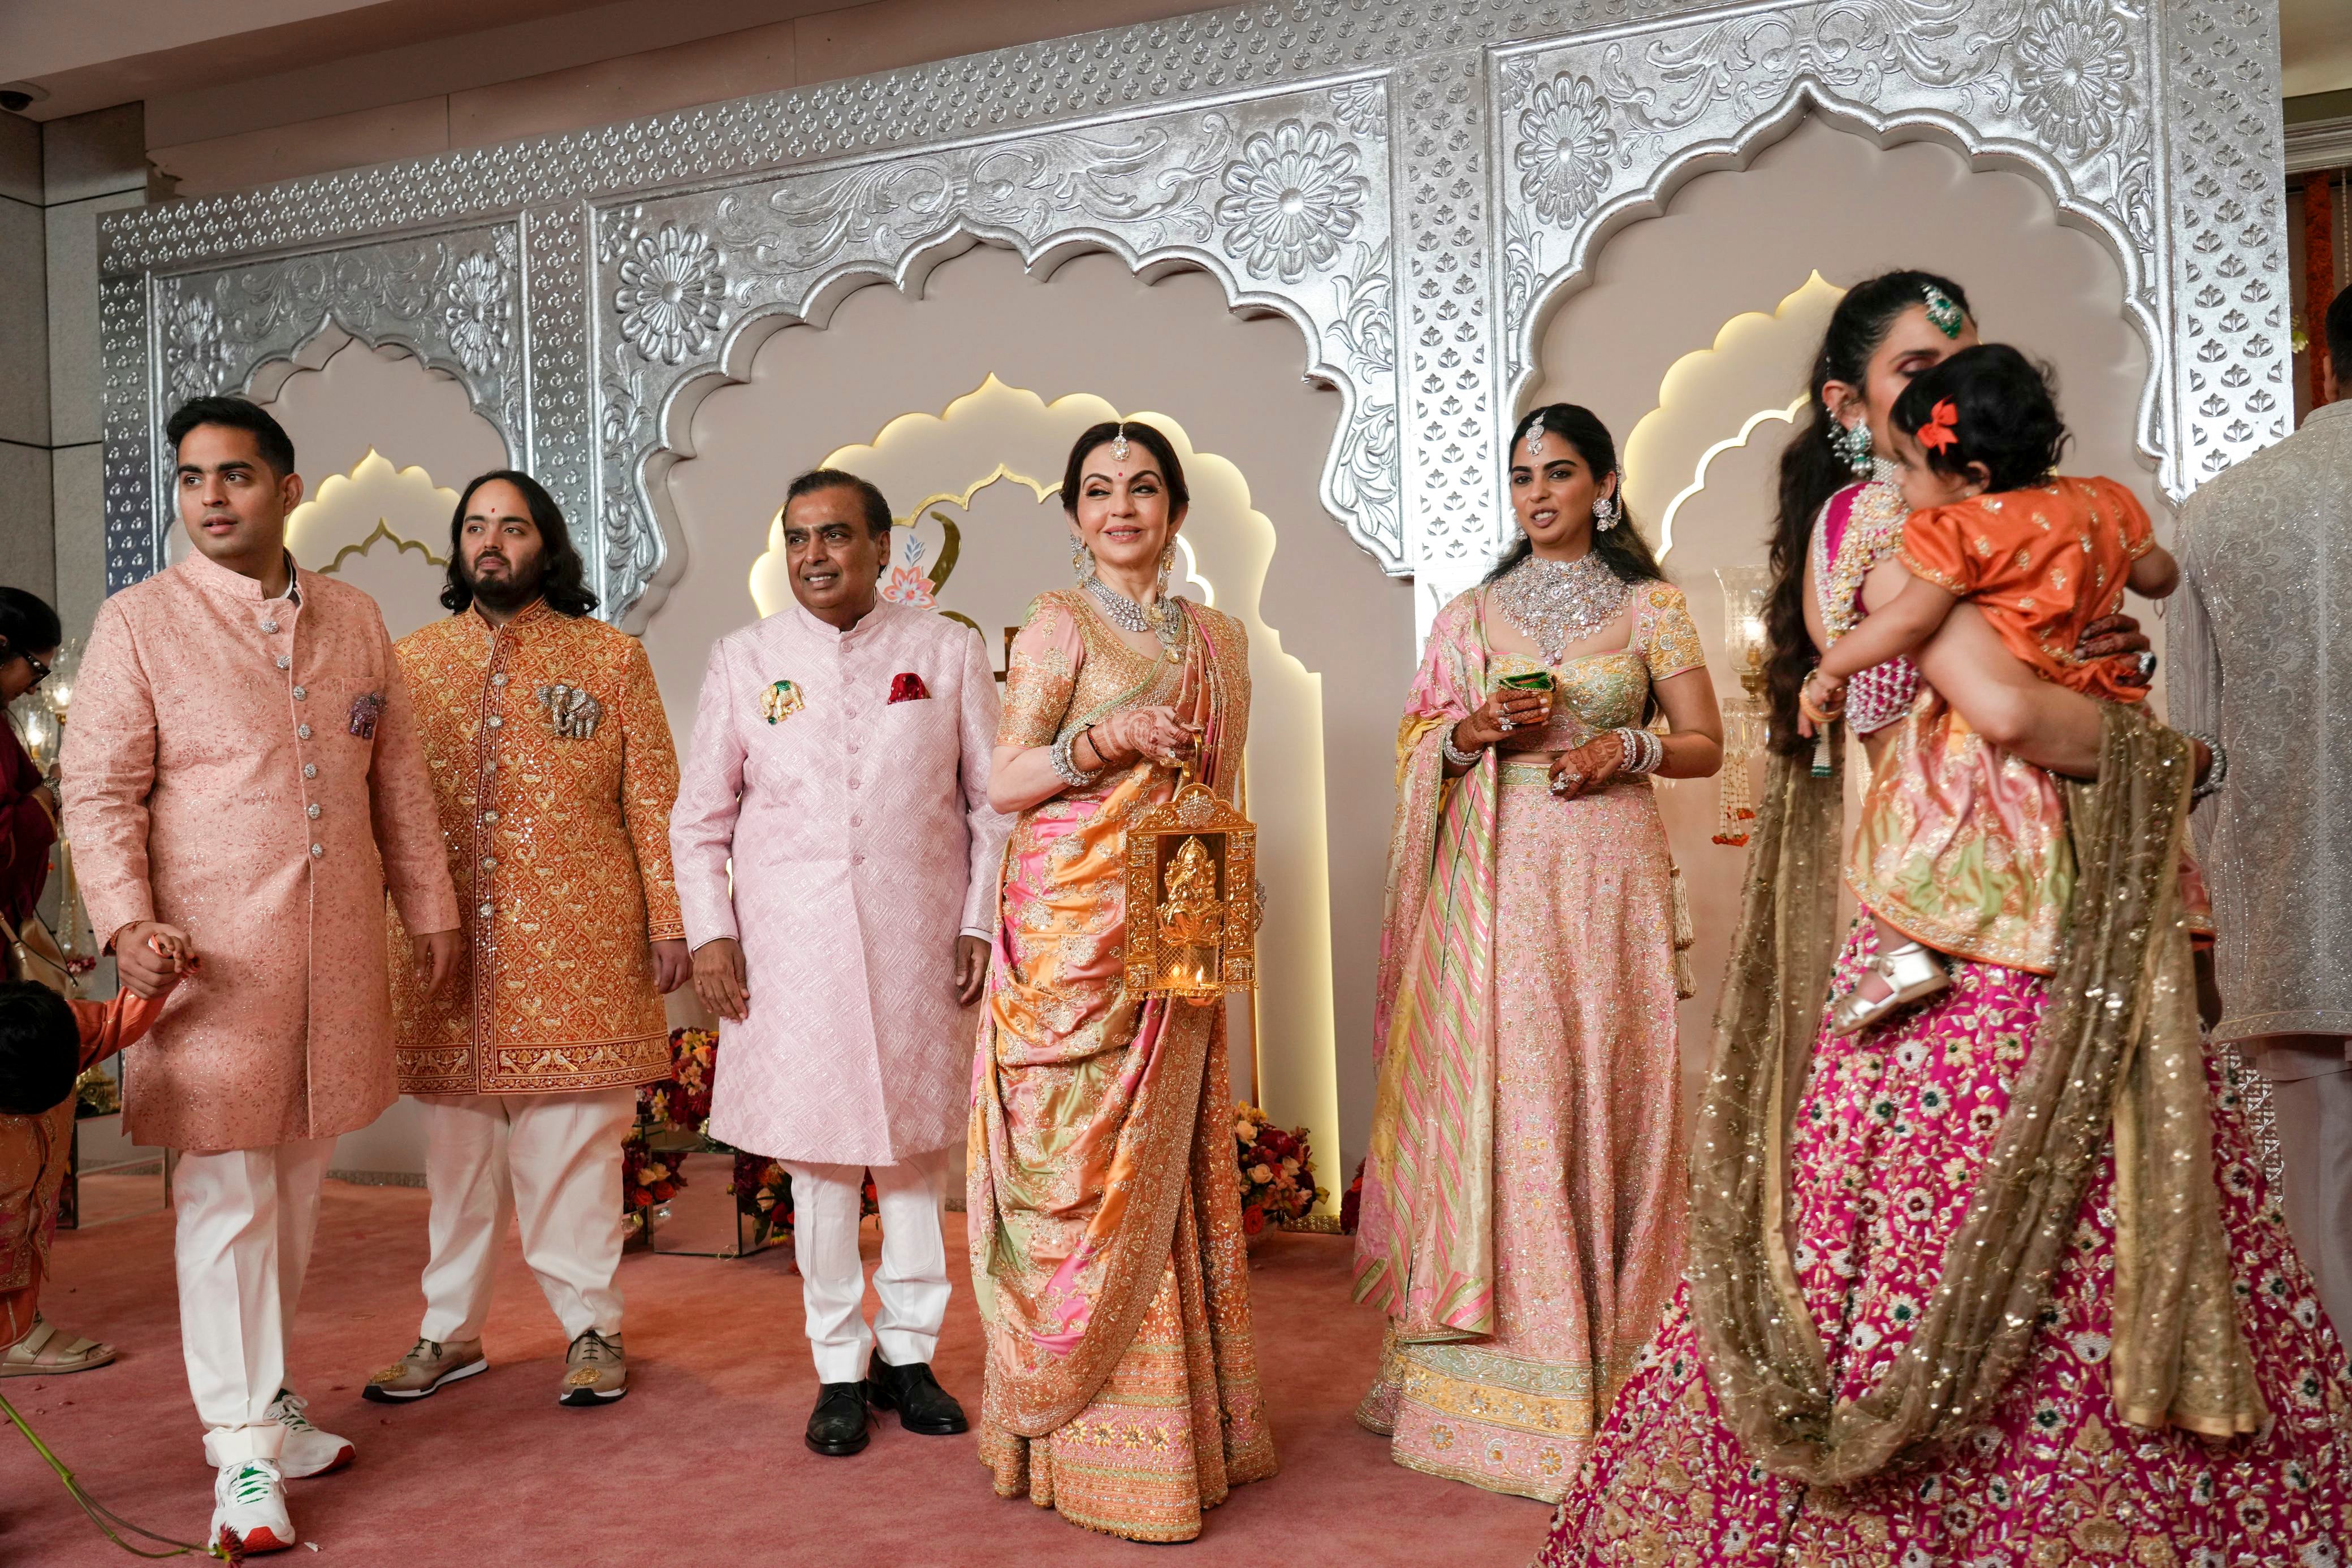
(837, 1426)
(922, 1405)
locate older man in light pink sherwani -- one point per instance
(242, 765)
(840, 758)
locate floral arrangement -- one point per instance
(1351, 1203)
(763, 1192)
(647, 1177)
(1277, 1171)
(682, 1100)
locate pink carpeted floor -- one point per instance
(703, 1462)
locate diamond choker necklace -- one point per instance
(1167, 623)
(1558, 602)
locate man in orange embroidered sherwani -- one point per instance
(552, 764)
(243, 765)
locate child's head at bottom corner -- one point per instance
(41, 1044)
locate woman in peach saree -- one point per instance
(1122, 1381)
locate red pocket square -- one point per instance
(909, 688)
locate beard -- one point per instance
(509, 590)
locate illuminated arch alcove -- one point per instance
(986, 472)
(1698, 327)
(991, 366)
(382, 441)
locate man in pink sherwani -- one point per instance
(840, 758)
(242, 765)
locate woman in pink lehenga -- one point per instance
(1998, 1283)
(1522, 1213)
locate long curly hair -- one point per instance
(1622, 548)
(565, 586)
(1812, 471)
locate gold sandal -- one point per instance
(45, 1352)
(1912, 973)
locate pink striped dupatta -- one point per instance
(1426, 1238)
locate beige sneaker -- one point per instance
(424, 1369)
(595, 1370)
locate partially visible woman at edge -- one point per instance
(1121, 1382)
(1927, 1319)
(1523, 1237)
(29, 635)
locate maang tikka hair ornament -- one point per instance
(1535, 437)
(1943, 314)
(1119, 444)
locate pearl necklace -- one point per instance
(1559, 602)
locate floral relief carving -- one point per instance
(2074, 73)
(481, 305)
(1290, 199)
(191, 346)
(1565, 147)
(671, 299)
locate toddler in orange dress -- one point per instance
(2042, 555)
(46, 1042)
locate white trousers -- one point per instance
(912, 1281)
(2311, 1095)
(243, 1223)
(553, 1161)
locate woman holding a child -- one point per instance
(1983, 1271)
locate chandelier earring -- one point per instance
(1167, 565)
(1604, 513)
(1082, 562)
(1851, 441)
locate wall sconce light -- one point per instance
(58, 689)
(36, 727)
(1743, 716)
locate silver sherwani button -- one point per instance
(495, 722)
(270, 627)
(485, 912)
(284, 662)
(317, 849)
(303, 730)
(311, 812)
(299, 694)
(310, 771)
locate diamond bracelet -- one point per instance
(1066, 762)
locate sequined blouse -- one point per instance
(1608, 690)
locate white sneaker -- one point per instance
(307, 1451)
(250, 1503)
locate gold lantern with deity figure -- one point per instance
(1191, 897)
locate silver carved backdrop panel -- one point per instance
(1271, 195)
(1411, 182)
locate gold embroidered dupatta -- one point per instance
(1101, 1141)
(2119, 1043)
(1425, 1234)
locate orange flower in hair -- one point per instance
(1942, 428)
